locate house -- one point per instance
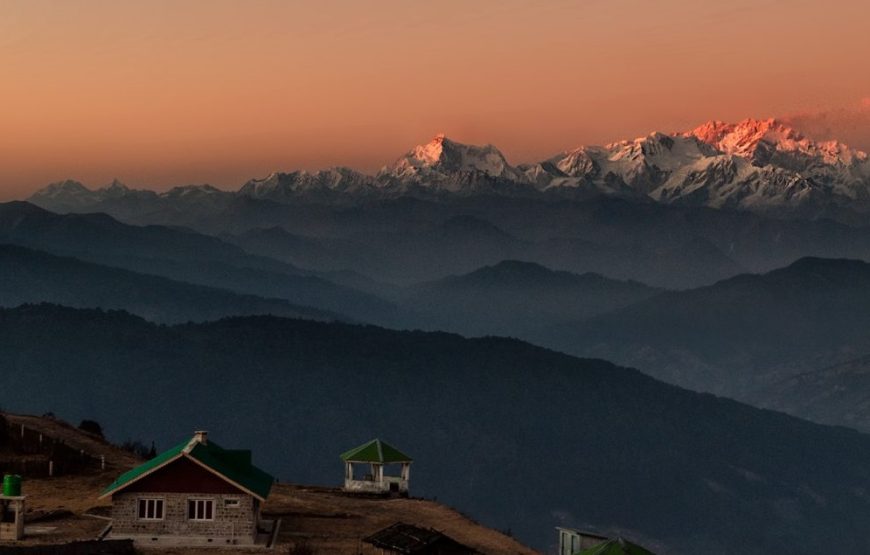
(196, 493)
(376, 454)
(572, 541)
(406, 539)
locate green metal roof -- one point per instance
(375, 451)
(616, 546)
(233, 464)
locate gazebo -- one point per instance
(376, 454)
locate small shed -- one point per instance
(375, 455)
(196, 493)
(407, 539)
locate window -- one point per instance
(200, 509)
(232, 503)
(150, 509)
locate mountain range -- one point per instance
(756, 165)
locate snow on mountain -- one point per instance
(280, 186)
(625, 168)
(829, 166)
(758, 165)
(67, 189)
(446, 165)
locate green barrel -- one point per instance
(12, 485)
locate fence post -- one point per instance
(102, 462)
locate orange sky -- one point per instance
(160, 93)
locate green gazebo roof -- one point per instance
(616, 546)
(234, 465)
(376, 451)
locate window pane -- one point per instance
(209, 507)
(158, 513)
(141, 508)
(191, 509)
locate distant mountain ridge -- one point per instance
(756, 165)
(739, 335)
(515, 298)
(32, 276)
(181, 255)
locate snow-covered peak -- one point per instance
(62, 188)
(192, 191)
(443, 158)
(758, 140)
(116, 185)
(282, 186)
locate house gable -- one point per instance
(183, 476)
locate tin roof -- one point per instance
(233, 465)
(376, 451)
(409, 539)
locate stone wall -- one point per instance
(236, 525)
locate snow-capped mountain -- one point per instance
(282, 187)
(757, 165)
(73, 196)
(446, 165)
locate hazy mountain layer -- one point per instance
(29, 276)
(516, 299)
(836, 394)
(182, 255)
(738, 335)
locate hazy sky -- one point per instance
(161, 93)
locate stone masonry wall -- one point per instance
(238, 523)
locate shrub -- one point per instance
(91, 426)
(136, 447)
(4, 429)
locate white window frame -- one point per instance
(199, 510)
(156, 501)
(232, 502)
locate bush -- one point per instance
(91, 426)
(4, 429)
(140, 449)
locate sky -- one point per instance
(162, 93)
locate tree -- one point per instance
(92, 427)
(4, 429)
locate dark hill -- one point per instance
(520, 437)
(29, 276)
